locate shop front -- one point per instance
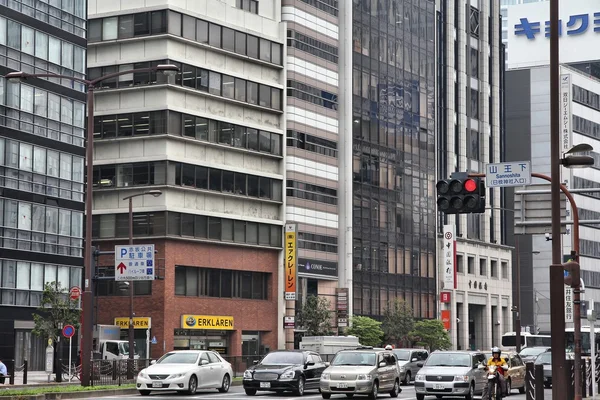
(205, 332)
(142, 327)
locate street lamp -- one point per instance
(169, 70)
(155, 193)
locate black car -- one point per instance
(280, 371)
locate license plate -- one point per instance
(265, 384)
(157, 384)
(342, 386)
(439, 387)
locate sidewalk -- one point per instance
(35, 378)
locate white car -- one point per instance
(186, 371)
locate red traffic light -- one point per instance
(470, 185)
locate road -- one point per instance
(237, 393)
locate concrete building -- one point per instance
(528, 138)
(470, 134)
(210, 138)
(41, 161)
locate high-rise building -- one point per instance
(470, 135)
(210, 138)
(42, 164)
(393, 156)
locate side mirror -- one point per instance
(255, 362)
(420, 364)
(413, 359)
(382, 364)
(203, 362)
(152, 362)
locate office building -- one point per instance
(210, 138)
(470, 135)
(528, 138)
(42, 163)
(505, 6)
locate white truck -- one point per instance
(329, 345)
(107, 343)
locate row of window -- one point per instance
(41, 45)
(312, 241)
(68, 15)
(172, 122)
(223, 283)
(329, 6)
(311, 192)
(586, 127)
(110, 287)
(589, 248)
(311, 94)
(582, 183)
(589, 214)
(195, 78)
(188, 175)
(40, 228)
(40, 184)
(188, 27)
(29, 280)
(41, 112)
(187, 225)
(312, 46)
(248, 5)
(311, 143)
(586, 97)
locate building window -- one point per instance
(311, 241)
(494, 270)
(212, 282)
(474, 104)
(586, 97)
(248, 5)
(474, 22)
(460, 266)
(157, 22)
(312, 143)
(505, 272)
(311, 192)
(312, 46)
(474, 63)
(311, 94)
(471, 265)
(483, 267)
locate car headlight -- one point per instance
(288, 375)
(326, 376)
(401, 369)
(461, 378)
(363, 377)
(143, 375)
(247, 374)
(174, 376)
(419, 377)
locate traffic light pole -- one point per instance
(558, 330)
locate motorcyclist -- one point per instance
(501, 368)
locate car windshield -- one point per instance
(354, 358)
(178, 358)
(283, 358)
(124, 348)
(532, 351)
(449, 360)
(402, 355)
(544, 358)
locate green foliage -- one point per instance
(315, 317)
(398, 321)
(13, 393)
(55, 308)
(431, 334)
(367, 330)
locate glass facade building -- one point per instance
(394, 220)
(42, 157)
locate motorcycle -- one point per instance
(494, 389)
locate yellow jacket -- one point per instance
(498, 362)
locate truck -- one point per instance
(329, 345)
(107, 343)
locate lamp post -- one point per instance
(154, 193)
(86, 353)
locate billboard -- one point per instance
(529, 33)
(290, 262)
(317, 267)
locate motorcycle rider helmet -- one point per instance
(389, 347)
(496, 350)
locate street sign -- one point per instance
(532, 209)
(449, 257)
(289, 322)
(75, 293)
(68, 331)
(568, 304)
(508, 174)
(134, 262)
(154, 341)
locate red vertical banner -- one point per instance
(446, 319)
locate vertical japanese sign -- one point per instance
(568, 304)
(448, 259)
(290, 262)
(566, 115)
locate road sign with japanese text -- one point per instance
(508, 174)
(134, 262)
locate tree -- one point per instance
(430, 333)
(367, 330)
(398, 321)
(315, 317)
(55, 308)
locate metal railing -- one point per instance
(116, 372)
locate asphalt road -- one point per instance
(237, 393)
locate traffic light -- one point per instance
(461, 195)
(572, 274)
